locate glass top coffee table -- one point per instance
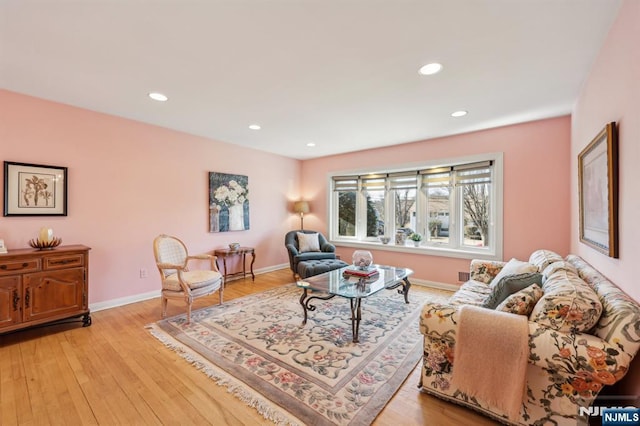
(355, 288)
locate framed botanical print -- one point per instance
(34, 190)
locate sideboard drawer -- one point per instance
(11, 267)
(67, 261)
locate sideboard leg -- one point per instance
(86, 320)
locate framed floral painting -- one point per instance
(34, 190)
(228, 202)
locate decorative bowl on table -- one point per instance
(362, 259)
(234, 246)
(45, 245)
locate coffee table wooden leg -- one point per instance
(356, 315)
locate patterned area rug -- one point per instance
(314, 374)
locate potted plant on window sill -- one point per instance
(416, 238)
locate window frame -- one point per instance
(459, 250)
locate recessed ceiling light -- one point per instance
(431, 69)
(460, 113)
(158, 97)
(255, 127)
(311, 144)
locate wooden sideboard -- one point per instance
(43, 286)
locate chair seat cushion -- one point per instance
(314, 255)
(193, 279)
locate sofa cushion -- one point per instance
(308, 242)
(569, 304)
(544, 258)
(513, 267)
(619, 322)
(521, 302)
(485, 270)
(508, 285)
(558, 266)
(471, 293)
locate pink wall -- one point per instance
(129, 182)
(612, 93)
(536, 188)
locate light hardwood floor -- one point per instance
(114, 372)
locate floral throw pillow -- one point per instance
(308, 242)
(569, 304)
(522, 302)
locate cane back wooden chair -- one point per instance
(178, 282)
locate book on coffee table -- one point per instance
(361, 272)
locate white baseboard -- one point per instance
(261, 271)
(435, 284)
(272, 268)
(114, 303)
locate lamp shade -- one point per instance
(301, 207)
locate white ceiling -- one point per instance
(340, 73)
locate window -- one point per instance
(456, 207)
(345, 190)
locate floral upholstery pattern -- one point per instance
(620, 319)
(558, 266)
(544, 258)
(522, 302)
(484, 271)
(568, 304)
(567, 369)
(471, 293)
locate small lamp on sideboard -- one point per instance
(301, 207)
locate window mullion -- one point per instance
(457, 216)
(361, 213)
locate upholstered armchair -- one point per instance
(178, 282)
(312, 256)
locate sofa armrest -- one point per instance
(437, 319)
(588, 361)
(484, 270)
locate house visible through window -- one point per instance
(456, 207)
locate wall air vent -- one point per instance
(463, 276)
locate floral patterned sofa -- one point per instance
(578, 343)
